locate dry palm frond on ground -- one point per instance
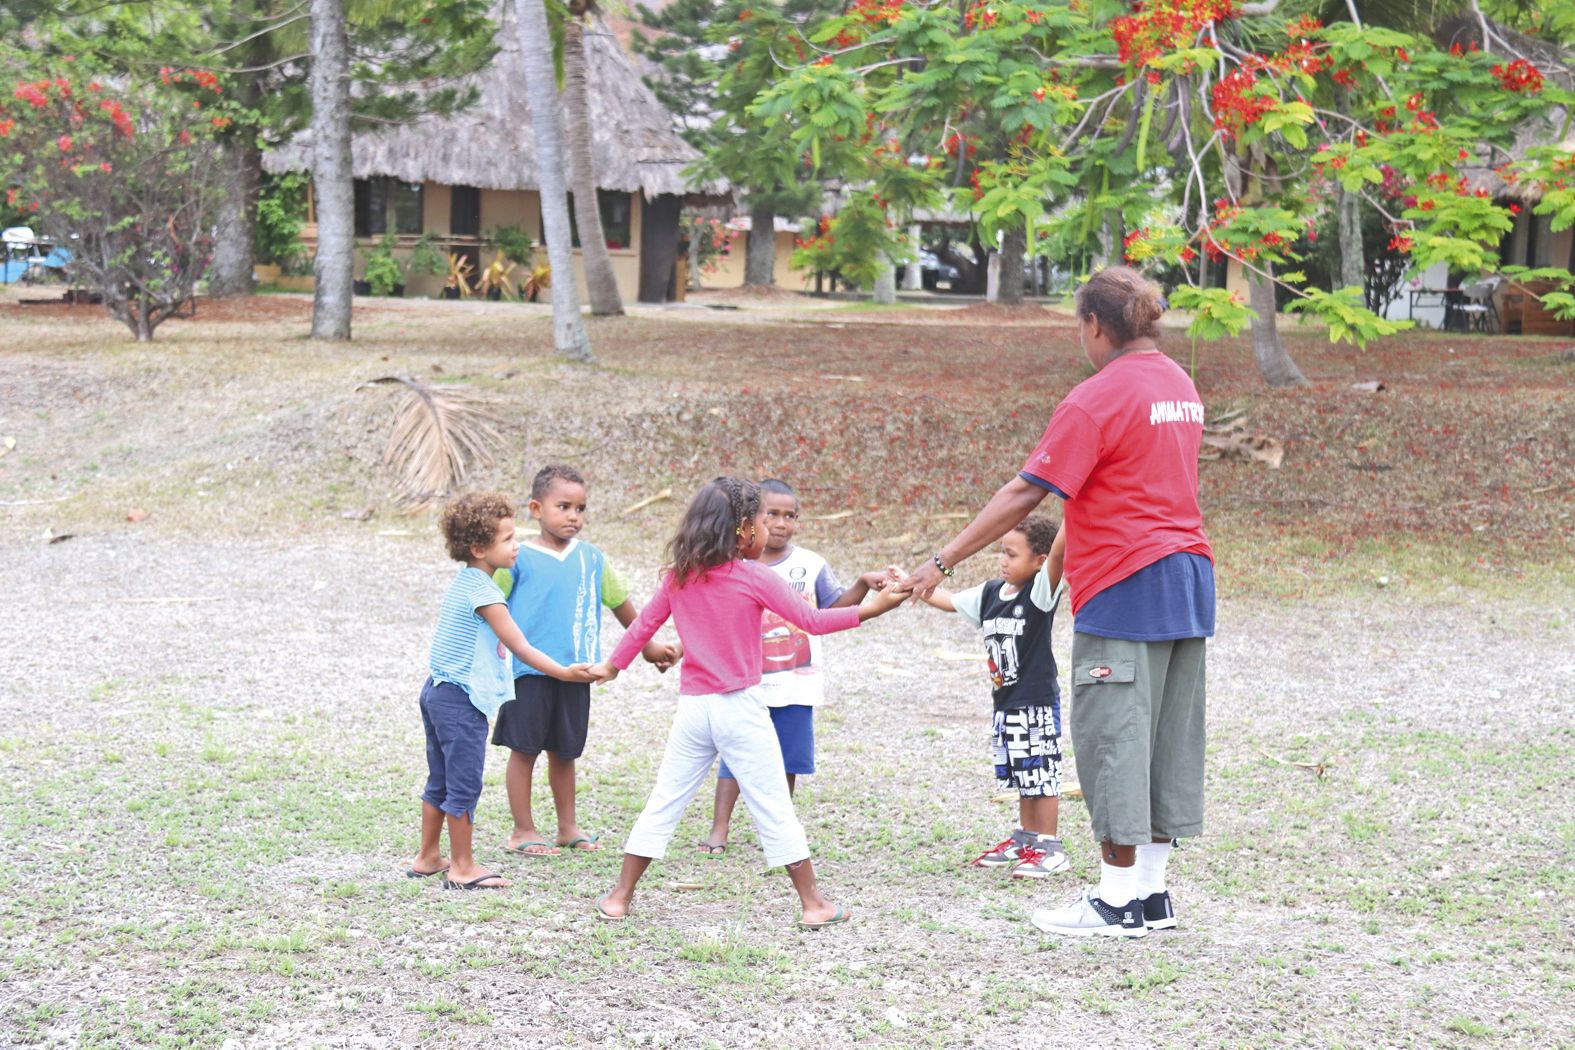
(436, 434)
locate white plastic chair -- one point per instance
(1478, 309)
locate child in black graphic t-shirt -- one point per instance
(1014, 614)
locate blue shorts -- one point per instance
(456, 748)
(795, 726)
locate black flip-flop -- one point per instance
(710, 849)
(475, 884)
(412, 873)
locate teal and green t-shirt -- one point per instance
(556, 597)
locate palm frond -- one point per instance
(437, 434)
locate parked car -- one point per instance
(932, 271)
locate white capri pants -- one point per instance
(738, 727)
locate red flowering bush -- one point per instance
(122, 178)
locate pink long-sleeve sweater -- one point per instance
(718, 621)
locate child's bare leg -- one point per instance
(1040, 814)
(722, 813)
(517, 782)
(430, 856)
(560, 775)
(816, 908)
(462, 859)
(618, 899)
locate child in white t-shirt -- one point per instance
(792, 677)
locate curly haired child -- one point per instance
(471, 678)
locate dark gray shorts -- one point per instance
(1138, 731)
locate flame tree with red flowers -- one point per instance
(1177, 132)
(122, 175)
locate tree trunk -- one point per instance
(333, 183)
(913, 275)
(601, 284)
(1348, 212)
(1013, 244)
(235, 238)
(535, 44)
(1268, 349)
(694, 260)
(886, 282)
(760, 254)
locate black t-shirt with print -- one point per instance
(1016, 635)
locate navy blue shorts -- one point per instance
(795, 726)
(546, 714)
(456, 748)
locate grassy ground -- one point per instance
(209, 758)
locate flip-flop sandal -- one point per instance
(476, 883)
(710, 849)
(524, 848)
(604, 915)
(412, 873)
(840, 917)
(582, 844)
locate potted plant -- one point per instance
(426, 259)
(515, 244)
(384, 275)
(495, 282)
(457, 285)
(539, 277)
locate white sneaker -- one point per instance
(1087, 916)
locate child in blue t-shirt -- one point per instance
(557, 587)
(470, 680)
(1014, 614)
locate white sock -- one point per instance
(1151, 860)
(1117, 886)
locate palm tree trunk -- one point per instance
(600, 282)
(333, 184)
(535, 45)
(760, 254)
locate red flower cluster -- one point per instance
(1235, 106)
(979, 14)
(958, 141)
(6, 127)
(64, 142)
(1520, 76)
(1165, 25)
(1130, 239)
(118, 116)
(822, 238)
(201, 77)
(876, 13)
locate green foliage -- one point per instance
(383, 272)
(1346, 315)
(281, 209)
(1216, 312)
(515, 244)
(427, 258)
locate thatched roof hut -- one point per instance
(491, 145)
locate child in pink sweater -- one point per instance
(715, 594)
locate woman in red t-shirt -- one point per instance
(1121, 451)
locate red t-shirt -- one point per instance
(1123, 448)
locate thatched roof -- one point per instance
(491, 145)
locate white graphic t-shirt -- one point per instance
(790, 666)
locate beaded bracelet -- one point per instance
(936, 558)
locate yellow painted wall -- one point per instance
(730, 268)
(520, 208)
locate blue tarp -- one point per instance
(12, 270)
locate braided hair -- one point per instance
(710, 530)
